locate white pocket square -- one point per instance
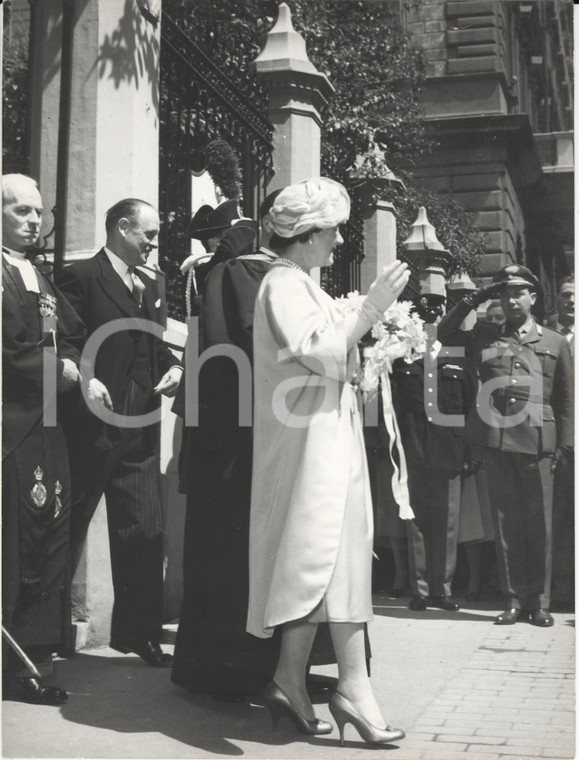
(157, 303)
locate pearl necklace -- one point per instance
(282, 262)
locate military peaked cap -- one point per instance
(515, 274)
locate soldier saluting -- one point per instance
(523, 422)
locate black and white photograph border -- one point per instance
(450, 123)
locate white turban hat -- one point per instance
(318, 203)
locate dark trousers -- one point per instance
(36, 545)
(128, 475)
(563, 577)
(433, 533)
(521, 496)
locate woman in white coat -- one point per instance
(311, 512)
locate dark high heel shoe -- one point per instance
(278, 703)
(345, 712)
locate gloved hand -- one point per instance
(471, 466)
(472, 459)
(561, 457)
(476, 297)
(70, 375)
(387, 287)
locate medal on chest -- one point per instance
(58, 502)
(47, 305)
(38, 491)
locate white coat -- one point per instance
(304, 442)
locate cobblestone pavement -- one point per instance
(515, 699)
(459, 686)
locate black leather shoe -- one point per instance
(444, 603)
(418, 603)
(541, 618)
(35, 692)
(149, 651)
(509, 617)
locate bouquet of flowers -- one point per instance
(399, 335)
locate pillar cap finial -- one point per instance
(460, 281)
(423, 235)
(284, 47)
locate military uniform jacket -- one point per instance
(526, 381)
(420, 396)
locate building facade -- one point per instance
(499, 99)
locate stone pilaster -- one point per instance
(379, 243)
(297, 92)
(94, 97)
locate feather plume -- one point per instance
(223, 165)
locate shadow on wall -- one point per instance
(131, 52)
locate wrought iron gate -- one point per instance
(343, 276)
(198, 103)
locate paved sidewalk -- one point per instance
(515, 699)
(459, 686)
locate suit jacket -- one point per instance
(554, 324)
(99, 296)
(532, 374)
(22, 352)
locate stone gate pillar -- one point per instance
(94, 105)
(379, 242)
(297, 93)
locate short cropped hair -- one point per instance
(565, 281)
(11, 181)
(128, 208)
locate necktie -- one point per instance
(138, 288)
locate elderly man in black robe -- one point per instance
(41, 337)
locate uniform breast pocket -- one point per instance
(407, 381)
(548, 359)
(451, 389)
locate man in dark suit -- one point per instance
(133, 367)
(524, 421)
(40, 331)
(564, 318)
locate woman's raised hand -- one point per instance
(388, 285)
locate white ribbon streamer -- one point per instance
(400, 474)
